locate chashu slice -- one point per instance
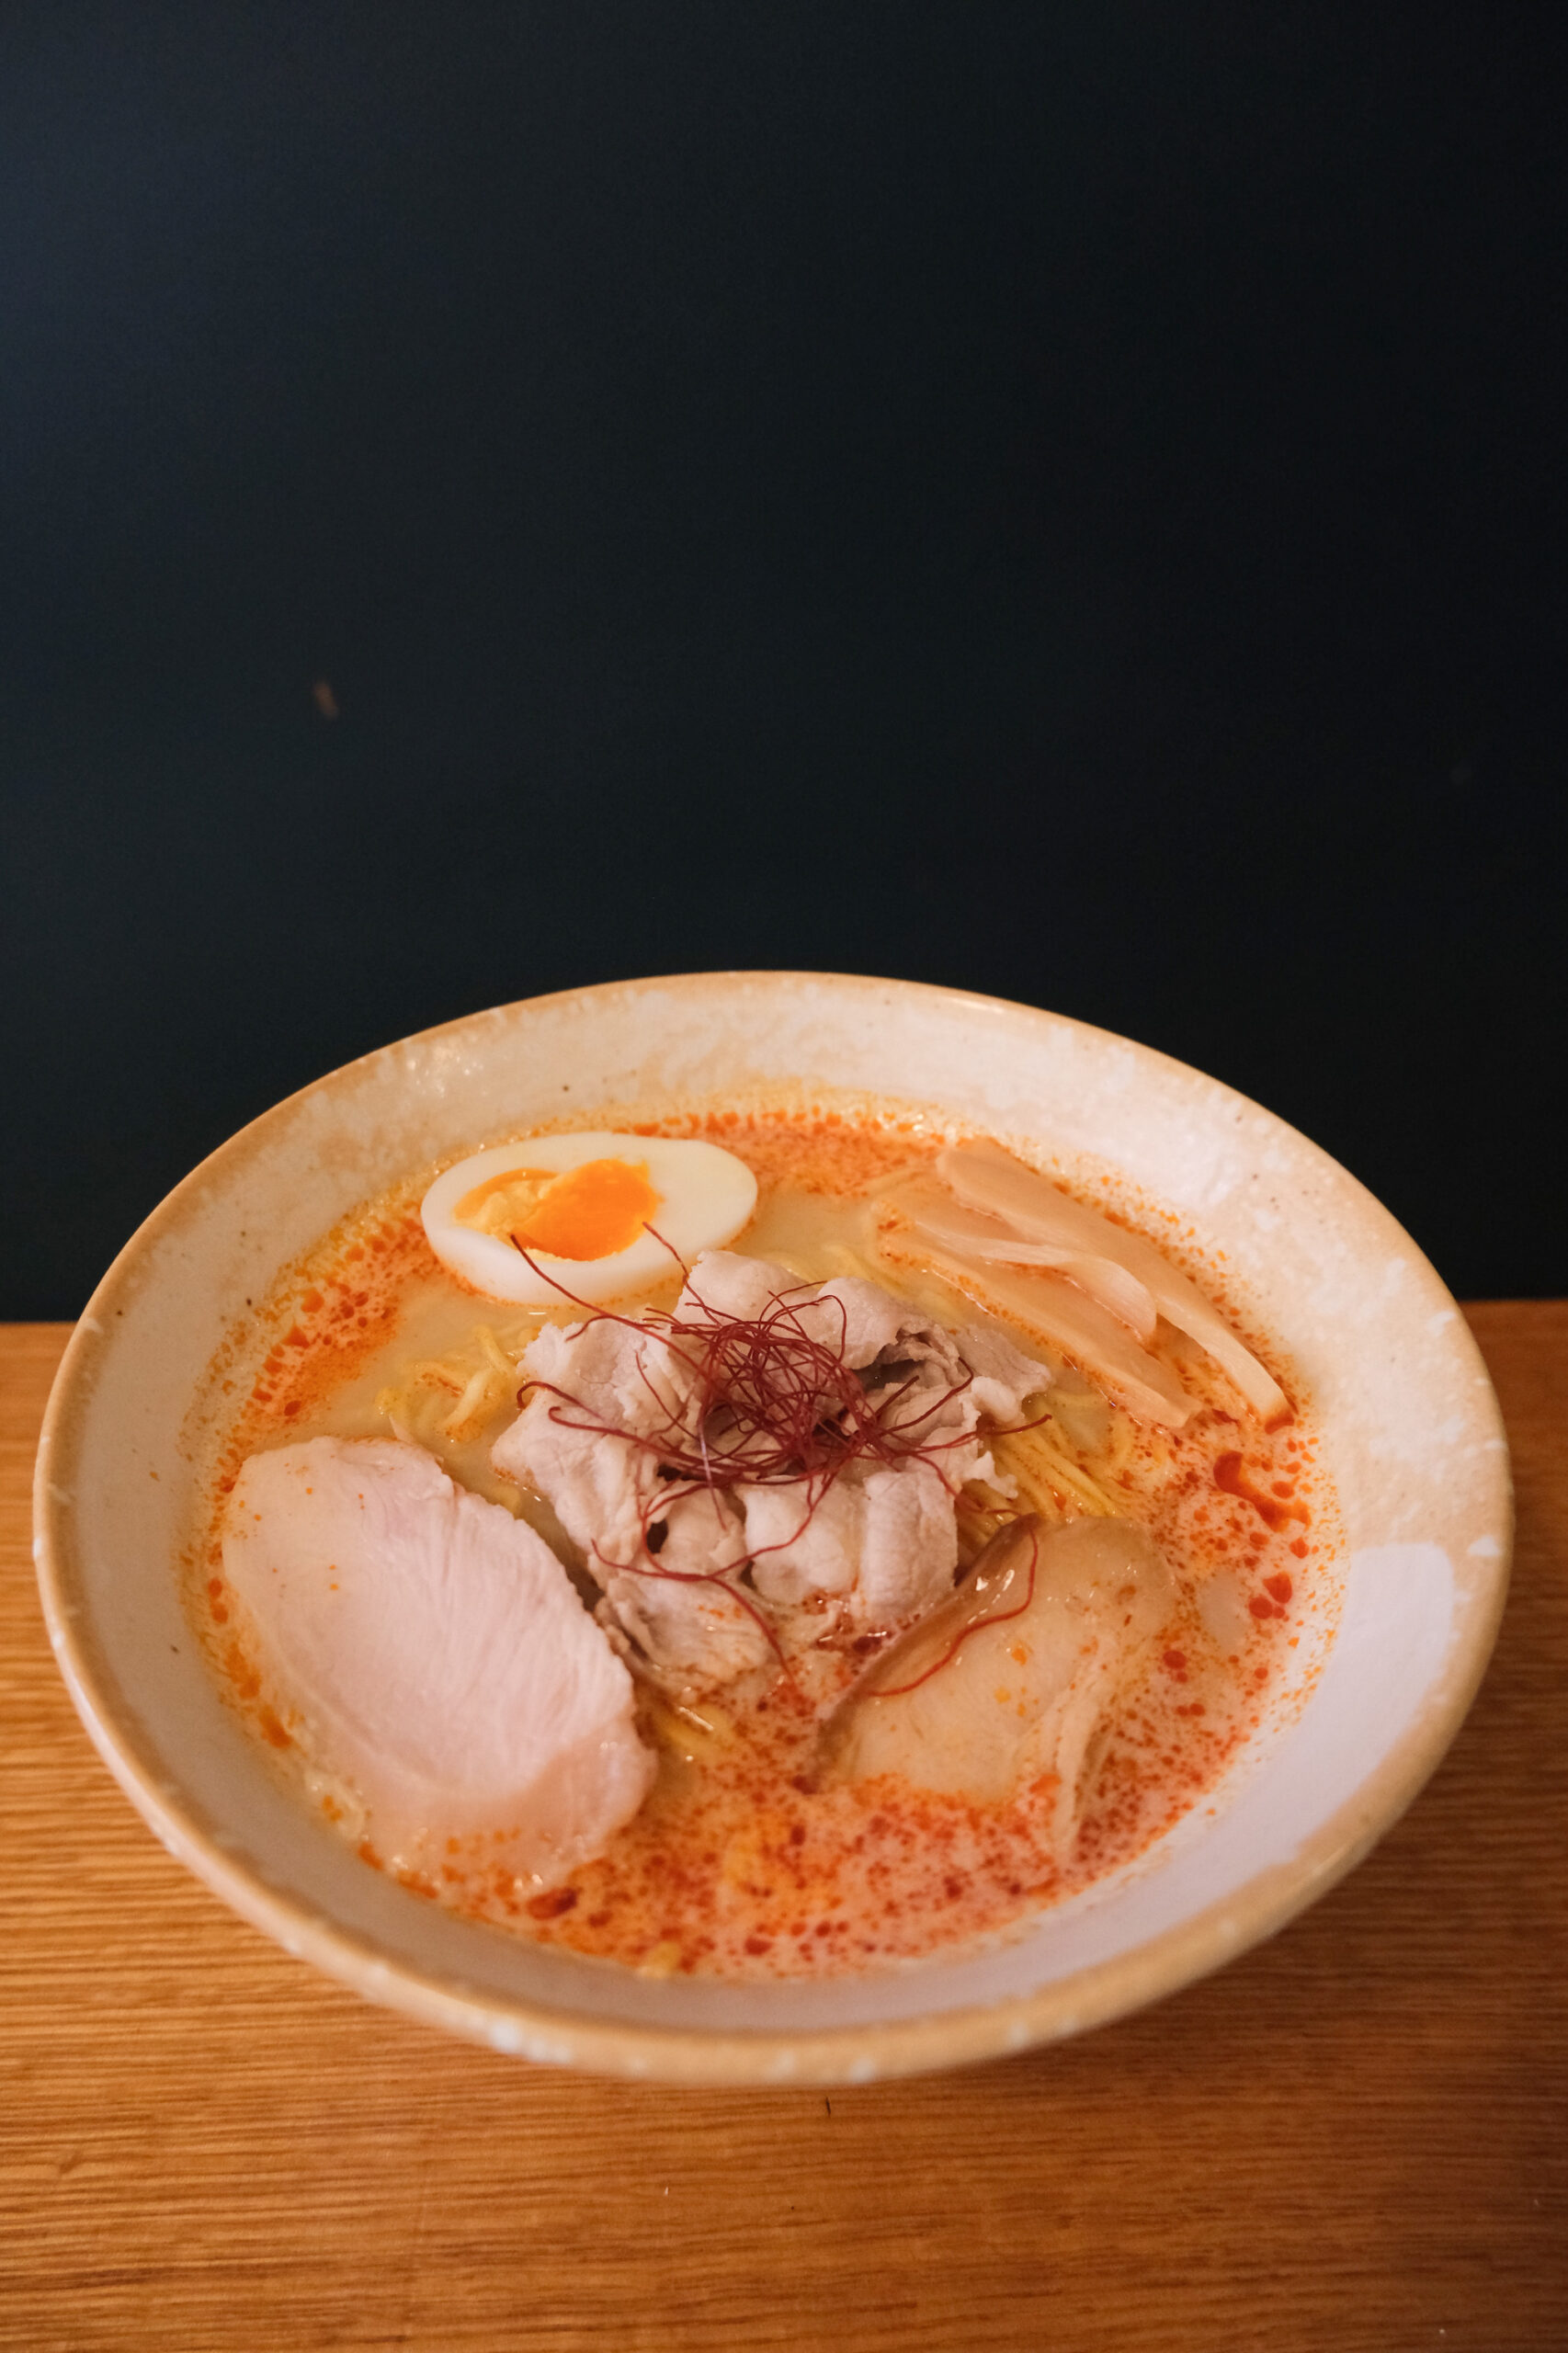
(433, 1655)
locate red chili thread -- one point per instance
(785, 1404)
(772, 1406)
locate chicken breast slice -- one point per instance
(430, 1651)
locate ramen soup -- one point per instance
(758, 1545)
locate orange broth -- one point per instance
(743, 1862)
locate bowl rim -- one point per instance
(1175, 1956)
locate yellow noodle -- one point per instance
(1034, 1458)
(1120, 1445)
(474, 1407)
(495, 1354)
(482, 1378)
(1042, 1496)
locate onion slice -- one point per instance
(933, 1211)
(990, 1180)
(1073, 1322)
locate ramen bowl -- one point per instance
(1409, 1435)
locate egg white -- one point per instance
(706, 1197)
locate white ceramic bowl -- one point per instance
(1412, 1442)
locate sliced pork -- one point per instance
(883, 1542)
(879, 1540)
(726, 1283)
(665, 1557)
(615, 1371)
(436, 1658)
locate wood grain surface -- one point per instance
(1351, 2139)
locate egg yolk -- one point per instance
(590, 1212)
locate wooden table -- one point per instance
(1352, 2139)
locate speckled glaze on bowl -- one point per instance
(1412, 1437)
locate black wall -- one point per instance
(1064, 501)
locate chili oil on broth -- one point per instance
(744, 1861)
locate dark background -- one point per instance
(1065, 501)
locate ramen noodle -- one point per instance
(913, 1545)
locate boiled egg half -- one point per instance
(598, 1214)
